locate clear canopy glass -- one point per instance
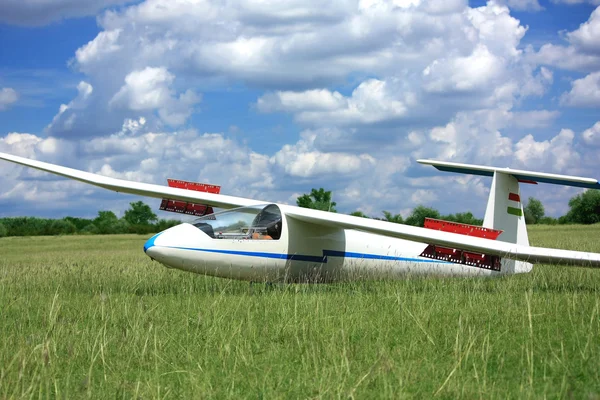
(254, 223)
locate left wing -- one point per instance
(503, 249)
(141, 189)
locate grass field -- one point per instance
(91, 316)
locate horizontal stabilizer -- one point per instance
(520, 175)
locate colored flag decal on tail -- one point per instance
(515, 210)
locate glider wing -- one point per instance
(448, 239)
(138, 188)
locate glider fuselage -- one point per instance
(299, 252)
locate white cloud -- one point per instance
(105, 43)
(585, 92)
(534, 119)
(67, 113)
(582, 53)
(591, 136)
(317, 99)
(7, 97)
(304, 161)
(476, 71)
(523, 5)
(372, 101)
(586, 37)
(40, 12)
(150, 89)
(564, 57)
(554, 155)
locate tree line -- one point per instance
(139, 219)
(583, 209)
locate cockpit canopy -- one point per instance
(254, 223)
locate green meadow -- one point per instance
(92, 316)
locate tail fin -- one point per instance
(504, 208)
(505, 212)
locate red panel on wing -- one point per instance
(183, 207)
(199, 187)
(462, 229)
(461, 256)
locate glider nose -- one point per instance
(157, 244)
(161, 246)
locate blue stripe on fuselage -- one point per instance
(316, 259)
(150, 242)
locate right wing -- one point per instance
(453, 240)
(141, 189)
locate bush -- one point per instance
(62, 227)
(90, 229)
(548, 221)
(80, 223)
(163, 224)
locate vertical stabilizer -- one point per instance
(505, 212)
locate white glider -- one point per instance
(262, 241)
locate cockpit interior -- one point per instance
(245, 223)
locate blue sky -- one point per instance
(270, 99)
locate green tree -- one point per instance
(3, 231)
(463, 218)
(317, 200)
(140, 213)
(585, 208)
(359, 214)
(388, 216)
(419, 213)
(106, 222)
(534, 211)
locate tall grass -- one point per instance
(92, 316)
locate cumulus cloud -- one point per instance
(303, 160)
(533, 119)
(149, 89)
(523, 5)
(582, 53)
(7, 97)
(591, 136)
(40, 12)
(586, 36)
(372, 101)
(67, 113)
(585, 92)
(556, 154)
